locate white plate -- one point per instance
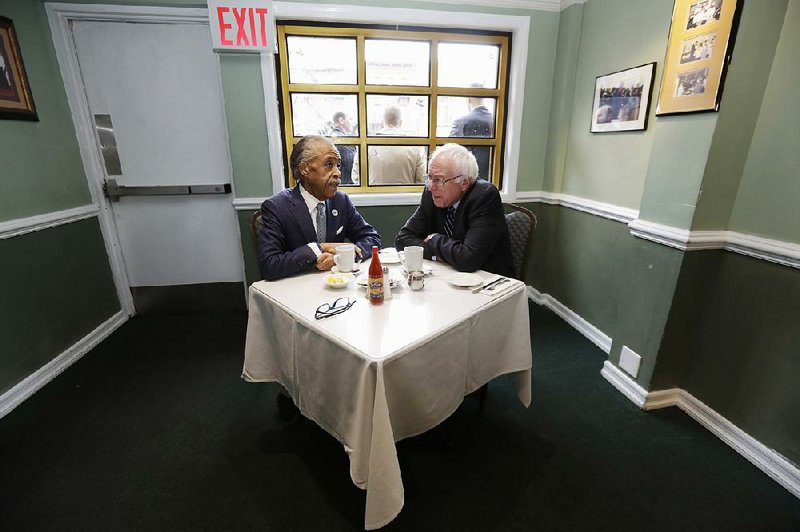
(464, 279)
(363, 281)
(337, 280)
(389, 258)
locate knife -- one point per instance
(485, 286)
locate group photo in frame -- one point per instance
(698, 50)
(16, 102)
(622, 100)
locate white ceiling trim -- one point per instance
(536, 5)
(540, 5)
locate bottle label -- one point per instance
(376, 289)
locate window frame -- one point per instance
(363, 90)
(517, 26)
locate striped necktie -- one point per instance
(321, 222)
(449, 221)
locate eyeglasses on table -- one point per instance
(326, 310)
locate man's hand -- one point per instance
(324, 262)
(328, 247)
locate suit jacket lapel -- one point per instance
(299, 210)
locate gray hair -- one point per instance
(302, 152)
(463, 161)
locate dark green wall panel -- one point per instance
(741, 354)
(621, 284)
(55, 287)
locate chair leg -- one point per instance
(482, 397)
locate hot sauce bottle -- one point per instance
(375, 286)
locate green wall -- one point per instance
(766, 204)
(737, 348)
(612, 167)
(57, 287)
(56, 283)
(41, 166)
(720, 325)
(746, 82)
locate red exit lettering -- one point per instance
(247, 33)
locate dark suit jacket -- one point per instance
(477, 123)
(480, 234)
(287, 229)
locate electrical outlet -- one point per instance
(629, 361)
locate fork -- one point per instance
(492, 284)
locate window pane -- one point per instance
(312, 114)
(457, 116)
(397, 165)
(397, 115)
(468, 65)
(350, 166)
(310, 60)
(397, 62)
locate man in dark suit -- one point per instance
(460, 220)
(478, 123)
(302, 226)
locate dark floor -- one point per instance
(154, 430)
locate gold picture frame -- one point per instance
(700, 43)
(16, 101)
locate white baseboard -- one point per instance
(595, 335)
(767, 460)
(31, 384)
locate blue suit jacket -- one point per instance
(287, 229)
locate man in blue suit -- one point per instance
(302, 226)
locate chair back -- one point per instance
(521, 227)
(255, 229)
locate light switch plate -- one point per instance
(629, 361)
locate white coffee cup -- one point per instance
(345, 257)
(413, 256)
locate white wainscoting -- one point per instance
(777, 251)
(31, 384)
(21, 226)
(770, 462)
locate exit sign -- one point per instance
(242, 26)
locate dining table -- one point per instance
(376, 374)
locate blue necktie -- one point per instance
(321, 222)
(449, 221)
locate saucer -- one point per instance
(338, 280)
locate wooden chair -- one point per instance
(521, 227)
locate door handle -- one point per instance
(114, 191)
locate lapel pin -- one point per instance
(335, 212)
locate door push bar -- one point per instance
(114, 191)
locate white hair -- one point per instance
(464, 163)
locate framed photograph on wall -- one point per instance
(622, 100)
(698, 51)
(16, 101)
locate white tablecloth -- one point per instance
(377, 374)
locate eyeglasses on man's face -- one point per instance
(326, 310)
(437, 181)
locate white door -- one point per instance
(159, 85)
